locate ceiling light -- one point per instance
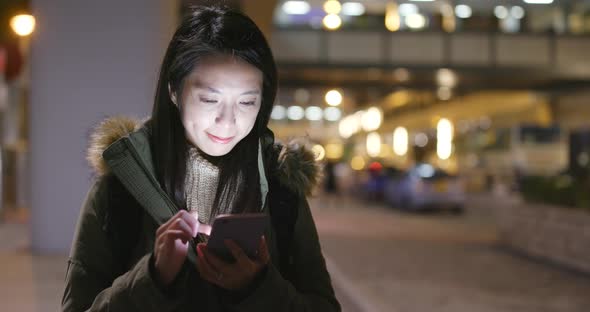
(415, 21)
(332, 7)
(333, 97)
(332, 21)
(295, 113)
(463, 11)
(373, 144)
(296, 7)
(350, 125)
(332, 114)
(446, 78)
(444, 138)
(501, 12)
(400, 141)
(278, 112)
(371, 120)
(353, 9)
(314, 113)
(538, 1)
(407, 9)
(392, 17)
(517, 12)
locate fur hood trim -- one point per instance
(296, 166)
(104, 134)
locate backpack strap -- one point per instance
(129, 159)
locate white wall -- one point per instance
(90, 59)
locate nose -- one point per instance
(226, 116)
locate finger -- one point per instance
(163, 227)
(205, 269)
(167, 224)
(263, 254)
(204, 229)
(180, 224)
(238, 253)
(190, 220)
(169, 244)
(176, 225)
(216, 262)
(172, 235)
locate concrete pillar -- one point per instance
(90, 59)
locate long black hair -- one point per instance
(209, 31)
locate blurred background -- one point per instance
(454, 134)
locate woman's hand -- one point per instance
(171, 246)
(231, 276)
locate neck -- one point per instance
(202, 178)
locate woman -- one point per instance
(206, 150)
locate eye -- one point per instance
(209, 101)
(248, 103)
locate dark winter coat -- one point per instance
(110, 269)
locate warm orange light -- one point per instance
(23, 25)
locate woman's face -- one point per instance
(219, 103)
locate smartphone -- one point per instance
(244, 229)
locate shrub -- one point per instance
(561, 190)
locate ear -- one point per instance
(172, 95)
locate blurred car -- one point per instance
(376, 177)
(423, 187)
(372, 186)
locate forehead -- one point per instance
(226, 72)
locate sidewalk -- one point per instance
(28, 283)
(437, 262)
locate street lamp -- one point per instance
(23, 24)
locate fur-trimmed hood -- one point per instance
(296, 165)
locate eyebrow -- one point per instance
(252, 92)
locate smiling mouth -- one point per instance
(217, 139)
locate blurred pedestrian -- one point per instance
(330, 178)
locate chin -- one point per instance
(217, 154)
(216, 151)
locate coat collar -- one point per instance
(295, 168)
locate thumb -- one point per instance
(204, 229)
(263, 255)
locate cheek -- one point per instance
(248, 120)
(191, 109)
(196, 119)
